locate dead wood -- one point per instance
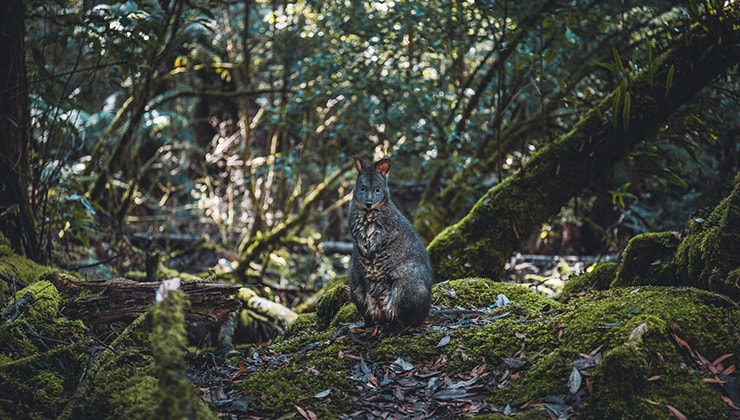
(121, 299)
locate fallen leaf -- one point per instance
(596, 350)
(398, 393)
(654, 378)
(313, 370)
(729, 402)
(501, 300)
(464, 384)
(323, 394)
(608, 325)
(305, 413)
(479, 370)
(514, 363)
(675, 412)
(574, 381)
(403, 364)
(444, 341)
(721, 359)
(441, 360)
(639, 331)
(363, 367)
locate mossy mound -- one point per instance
(480, 293)
(52, 366)
(42, 355)
(708, 257)
(648, 259)
(17, 271)
(620, 341)
(597, 277)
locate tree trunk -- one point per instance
(16, 217)
(508, 213)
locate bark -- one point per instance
(124, 300)
(16, 216)
(508, 213)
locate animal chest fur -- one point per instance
(375, 265)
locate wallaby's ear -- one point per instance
(383, 166)
(358, 163)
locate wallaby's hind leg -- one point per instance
(414, 303)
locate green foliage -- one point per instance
(224, 117)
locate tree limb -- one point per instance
(508, 213)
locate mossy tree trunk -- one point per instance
(16, 216)
(508, 213)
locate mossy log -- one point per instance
(508, 213)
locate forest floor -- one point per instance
(400, 388)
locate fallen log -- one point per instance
(120, 299)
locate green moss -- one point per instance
(482, 293)
(16, 267)
(598, 277)
(419, 350)
(709, 256)
(49, 388)
(275, 391)
(621, 388)
(608, 318)
(132, 385)
(44, 354)
(124, 387)
(648, 259)
(176, 398)
(346, 314)
(619, 381)
(304, 322)
(46, 300)
(330, 304)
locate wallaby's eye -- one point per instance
(377, 189)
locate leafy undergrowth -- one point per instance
(498, 349)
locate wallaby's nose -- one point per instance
(368, 203)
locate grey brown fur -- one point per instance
(391, 277)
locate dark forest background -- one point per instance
(218, 135)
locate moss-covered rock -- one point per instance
(480, 293)
(597, 277)
(648, 259)
(709, 256)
